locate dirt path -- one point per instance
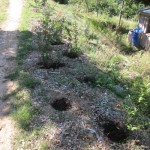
(8, 46)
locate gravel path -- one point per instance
(8, 46)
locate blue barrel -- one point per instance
(135, 36)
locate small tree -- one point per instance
(120, 15)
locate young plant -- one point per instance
(134, 119)
(74, 49)
(49, 32)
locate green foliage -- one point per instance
(28, 81)
(3, 8)
(44, 146)
(49, 32)
(24, 115)
(24, 47)
(110, 7)
(104, 80)
(137, 88)
(134, 119)
(74, 48)
(140, 94)
(24, 35)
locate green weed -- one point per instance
(23, 115)
(28, 81)
(74, 47)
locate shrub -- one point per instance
(140, 94)
(49, 32)
(74, 48)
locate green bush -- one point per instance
(140, 94)
(49, 32)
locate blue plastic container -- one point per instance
(135, 36)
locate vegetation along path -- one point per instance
(8, 46)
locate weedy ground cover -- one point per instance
(98, 71)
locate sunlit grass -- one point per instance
(3, 10)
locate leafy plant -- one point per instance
(49, 32)
(134, 119)
(140, 94)
(74, 49)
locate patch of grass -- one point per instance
(25, 35)
(3, 8)
(24, 47)
(44, 145)
(106, 28)
(28, 81)
(74, 52)
(24, 115)
(123, 70)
